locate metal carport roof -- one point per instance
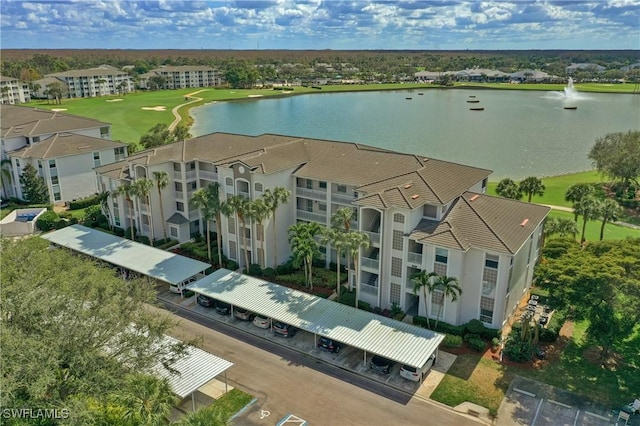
(162, 265)
(395, 340)
(195, 369)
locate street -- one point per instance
(287, 382)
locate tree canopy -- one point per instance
(617, 155)
(35, 189)
(160, 135)
(73, 333)
(507, 188)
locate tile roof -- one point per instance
(64, 144)
(480, 220)
(19, 121)
(104, 70)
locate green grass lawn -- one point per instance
(592, 233)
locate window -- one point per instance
(179, 206)
(396, 267)
(394, 294)
(54, 180)
(259, 232)
(233, 248)
(228, 181)
(322, 184)
(398, 218)
(491, 261)
(56, 193)
(484, 183)
(342, 188)
(309, 205)
(322, 207)
(231, 225)
(96, 159)
(36, 139)
(173, 231)
(177, 186)
(486, 309)
(257, 187)
(52, 164)
(309, 184)
(177, 167)
(192, 186)
(191, 165)
(104, 131)
(260, 256)
(119, 153)
(437, 303)
(430, 211)
(440, 265)
(397, 240)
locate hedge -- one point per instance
(84, 203)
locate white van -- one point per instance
(415, 374)
(179, 287)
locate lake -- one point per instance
(518, 134)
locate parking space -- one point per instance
(348, 357)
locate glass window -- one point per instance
(322, 184)
(179, 206)
(233, 247)
(396, 267)
(491, 261)
(96, 159)
(430, 211)
(54, 180)
(342, 188)
(104, 131)
(398, 218)
(258, 187)
(228, 181)
(394, 294)
(486, 309)
(440, 265)
(52, 164)
(231, 225)
(397, 240)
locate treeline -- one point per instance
(31, 64)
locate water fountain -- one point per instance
(569, 95)
(570, 91)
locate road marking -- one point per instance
(559, 403)
(588, 413)
(291, 419)
(264, 413)
(575, 421)
(537, 412)
(525, 392)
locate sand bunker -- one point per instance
(254, 96)
(58, 109)
(155, 108)
(115, 100)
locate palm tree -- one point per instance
(162, 180)
(342, 218)
(260, 212)
(560, 226)
(507, 188)
(423, 280)
(241, 207)
(141, 189)
(7, 176)
(146, 399)
(531, 186)
(356, 241)
(338, 240)
(589, 208)
(450, 287)
(103, 199)
(202, 199)
(305, 248)
(609, 211)
(128, 191)
(273, 199)
(576, 193)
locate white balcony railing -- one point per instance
(206, 174)
(314, 217)
(179, 195)
(370, 263)
(369, 289)
(311, 193)
(342, 198)
(194, 214)
(415, 258)
(373, 236)
(191, 175)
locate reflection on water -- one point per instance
(518, 134)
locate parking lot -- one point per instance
(349, 358)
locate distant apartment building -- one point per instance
(419, 213)
(89, 83)
(13, 91)
(63, 148)
(584, 67)
(182, 77)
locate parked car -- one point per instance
(329, 345)
(243, 314)
(282, 329)
(411, 373)
(262, 322)
(205, 301)
(380, 364)
(223, 308)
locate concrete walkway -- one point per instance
(175, 110)
(570, 210)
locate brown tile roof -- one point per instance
(482, 221)
(182, 68)
(65, 144)
(105, 70)
(19, 121)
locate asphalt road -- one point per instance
(288, 382)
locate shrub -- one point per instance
(84, 203)
(144, 240)
(490, 333)
(519, 351)
(477, 344)
(348, 298)
(474, 327)
(232, 265)
(420, 321)
(47, 221)
(452, 341)
(364, 306)
(255, 270)
(447, 328)
(61, 223)
(118, 231)
(268, 272)
(547, 335)
(286, 268)
(470, 336)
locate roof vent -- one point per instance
(407, 186)
(414, 196)
(475, 197)
(524, 222)
(84, 147)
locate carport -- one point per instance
(192, 371)
(151, 262)
(398, 341)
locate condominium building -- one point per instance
(63, 148)
(420, 213)
(89, 83)
(181, 77)
(13, 91)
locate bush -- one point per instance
(452, 341)
(348, 298)
(118, 231)
(144, 240)
(477, 344)
(255, 270)
(470, 336)
(546, 335)
(457, 330)
(61, 223)
(231, 265)
(269, 272)
(519, 351)
(47, 221)
(364, 306)
(84, 203)
(420, 321)
(474, 327)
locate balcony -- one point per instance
(244, 194)
(177, 175)
(342, 198)
(179, 195)
(313, 217)
(370, 263)
(415, 258)
(191, 175)
(373, 236)
(144, 208)
(208, 175)
(369, 289)
(194, 214)
(314, 194)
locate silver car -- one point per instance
(262, 322)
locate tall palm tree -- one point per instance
(241, 207)
(355, 242)
(577, 192)
(342, 218)
(560, 226)
(338, 240)
(260, 212)
(141, 189)
(589, 208)
(162, 180)
(273, 199)
(202, 199)
(305, 248)
(531, 186)
(127, 191)
(450, 286)
(423, 280)
(103, 199)
(147, 400)
(507, 188)
(609, 211)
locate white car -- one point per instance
(262, 322)
(413, 374)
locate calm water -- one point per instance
(519, 133)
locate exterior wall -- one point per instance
(14, 92)
(88, 86)
(76, 176)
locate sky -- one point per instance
(317, 24)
